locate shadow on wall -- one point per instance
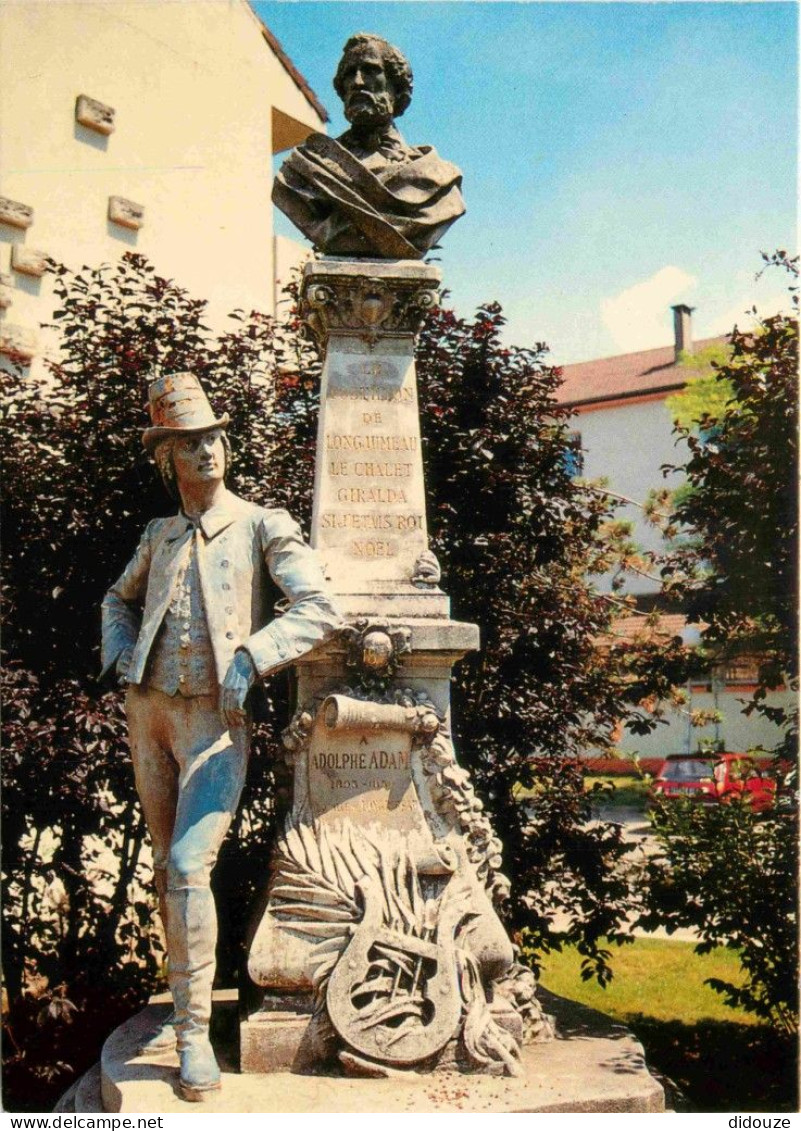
(90, 137)
(124, 235)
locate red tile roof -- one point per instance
(634, 627)
(294, 73)
(641, 629)
(628, 375)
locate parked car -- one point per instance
(711, 779)
(686, 775)
(743, 775)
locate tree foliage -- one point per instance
(520, 541)
(729, 872)
(517, 539)
(705, 393)
(739, 572)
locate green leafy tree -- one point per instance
(739, 575)
(702, 396)
(705, 393)
(730, 872)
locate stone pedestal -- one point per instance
(380, 909)
(369, 519)
(369, 523)
(595, 1065)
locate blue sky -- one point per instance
(617, 157)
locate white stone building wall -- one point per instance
(627, 444)
(201, 102)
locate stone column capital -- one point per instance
(368, 299)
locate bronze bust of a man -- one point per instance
(368, 194)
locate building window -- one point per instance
(574, 455)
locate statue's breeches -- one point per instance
(190, 769)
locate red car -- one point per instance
(713, 778)
(747, 776)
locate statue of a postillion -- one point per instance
(368, 193)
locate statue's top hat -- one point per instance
(179, 406)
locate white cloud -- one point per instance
(639, 318)
(739, 313)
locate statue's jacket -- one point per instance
(243, 552)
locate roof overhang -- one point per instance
(293, 72)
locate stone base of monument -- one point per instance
(593, 1065)
(84, 1095)
(278, 1037)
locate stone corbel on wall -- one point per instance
(6, 291)
(28, 261)
(94, 115)
(126, 213)
(17, 342)
(14, 213)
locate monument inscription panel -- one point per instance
(369, 520)
(364, 776)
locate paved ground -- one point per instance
(596, 1065)
(637, 831)
(636, 827)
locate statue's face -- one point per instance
(376, 649)
(367, 93)
(199, 459)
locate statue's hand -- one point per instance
(239, 679)
(123, 666)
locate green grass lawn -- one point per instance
(630, 792)
(721, 1059)
(666, 975)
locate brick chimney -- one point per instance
(683, 329)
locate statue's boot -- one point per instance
(192, 937)
(162, 1039)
